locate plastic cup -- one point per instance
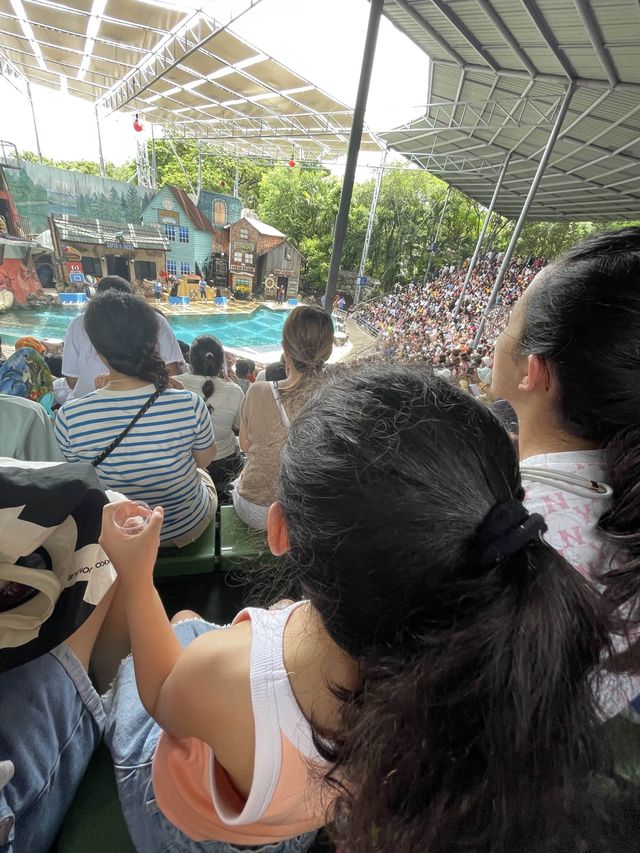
(132, 517)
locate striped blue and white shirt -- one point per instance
(153, 463)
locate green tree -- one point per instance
(133, 206)
(550, 239)
(123, 172)
(301, 202)
(409, 208)
(84, 207)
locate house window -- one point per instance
(184, 234)
(185, 267)
(243, 253)
(92, 266)
(172, 268)
(220, 213)
(145, 269)
(170, 231)
(244, 234)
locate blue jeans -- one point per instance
(131, 735)
(51, 721)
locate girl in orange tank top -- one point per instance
(430, 691)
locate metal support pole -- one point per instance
(199, 168)
(435, 241)
(370, 223)
(154, 165)
(236, 181)
(542, 165)
(375, 13)
(483, 231)
(35, 123)
(103, 171)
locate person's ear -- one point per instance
(277, 533)
(537, 377)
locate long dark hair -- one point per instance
(474, 709)
(207, 359)
(583, 318)
(124, 332)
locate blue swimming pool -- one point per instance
(262, 328)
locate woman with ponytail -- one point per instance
(147, 440)
(569, 364)
(307, 342)
(223, 399)
(430, 692)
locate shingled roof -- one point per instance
(100, 231)
(196, 217)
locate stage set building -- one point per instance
(214, 238)
(260, 258)
(99, 248)
(187, 231)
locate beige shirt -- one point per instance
(266, 434)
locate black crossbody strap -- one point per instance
(116, 441)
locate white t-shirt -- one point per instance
(571, 510)
(80, 360)
(226, 401)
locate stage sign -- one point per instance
(284, 273)
(242, 268)
(117, 244)
(75, 271)
(169, 217)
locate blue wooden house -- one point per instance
(187, 230)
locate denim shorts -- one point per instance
(51, 721)
(131, 735)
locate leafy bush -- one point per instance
(242, 291)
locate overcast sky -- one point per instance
(321, 40)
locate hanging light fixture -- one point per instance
(136, 124)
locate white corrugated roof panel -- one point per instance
(503, 60)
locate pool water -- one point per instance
(261, 328)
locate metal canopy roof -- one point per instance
(500, 71)
(179, 68)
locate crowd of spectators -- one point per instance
(424, 322)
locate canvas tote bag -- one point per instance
(53, 572)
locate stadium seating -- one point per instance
(225, 544)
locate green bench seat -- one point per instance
(198, 558)
(238, 543)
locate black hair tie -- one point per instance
(506, 529)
